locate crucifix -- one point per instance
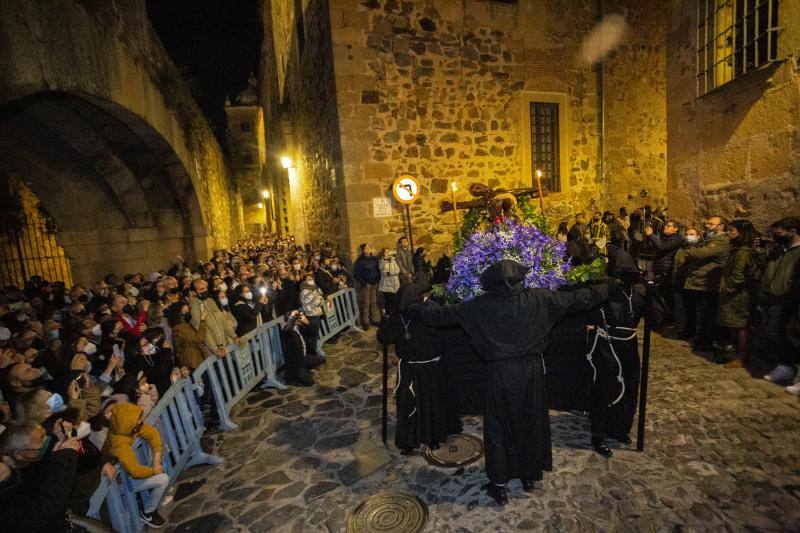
(497, 202)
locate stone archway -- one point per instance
(119, 195)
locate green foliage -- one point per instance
(474, 220)
(583, 273)
(528, 210)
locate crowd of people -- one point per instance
(729, 281)
(81, 367)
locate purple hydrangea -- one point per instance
(526, 244)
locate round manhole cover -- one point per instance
(359, 358)
(389, 512)
(459, 450)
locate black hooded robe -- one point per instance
(509, 327)
(614, 403)
(421, 390)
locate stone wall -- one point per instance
(734, 151)
(102, 128)
(303, 92)
(439, 89)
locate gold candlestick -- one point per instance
(453, 189)
(539, 185)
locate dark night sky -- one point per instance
(215, 43)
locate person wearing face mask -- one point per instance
(366, 272)
(153, 356)
(691, 238)
(123, 313)
(46, 475)
(311, 303)
(247, 309)
(704, 264)
(21, 377)
(780, 297)
(598, 233)
(220, 332)
(666, 246)
(81, 390)
(37, 405)
(405, 260)
(295, 350)
(390, 279)
(189, 342)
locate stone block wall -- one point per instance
(736, 150)
(438, 89)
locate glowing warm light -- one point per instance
(538, 173)
(453, 186)
(260, 205)
(286, 162)
(265, 194)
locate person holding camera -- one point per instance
(295, 350)
(311, 303)
(666, 246)
(246, 309)
(390, 279)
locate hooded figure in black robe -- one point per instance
(614, 354)
(509, 326)
(421, 390)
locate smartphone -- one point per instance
(263, 291)
(81, 380)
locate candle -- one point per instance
(539, 185)
(453, 188)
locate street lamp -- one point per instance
(286, 162)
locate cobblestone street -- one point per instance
(722, 453)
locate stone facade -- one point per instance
(441, 90)
(734, 151)
(98, 123)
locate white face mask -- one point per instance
(134, 292)
(296, 266)
(223, 302)
(97, 330)
(222, 287)
(149, 349)
(248, 295)
(691, 239)
(90, 348)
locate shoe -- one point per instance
(794, 389)
(528, 485)
(735, 363)
(497, 493)
(601, 447)
(780, 373)
(153, 519)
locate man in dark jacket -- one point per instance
(665, 246)
(367, 274)
(705, 264)
(780, 296)
(39, 502)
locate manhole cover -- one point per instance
(359, 358)
(389, 512)
(459, 450)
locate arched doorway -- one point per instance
(118, 198)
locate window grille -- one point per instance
(734, 37)
(545, 144)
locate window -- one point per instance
(244, 126)
(247, 159)
(733, 38)
(545, 154)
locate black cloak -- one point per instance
(509, 326)
(423, 416)
(615, 354)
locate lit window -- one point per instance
(733, 38)
(545, 154)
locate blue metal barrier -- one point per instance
(178, 419)
(341, 315)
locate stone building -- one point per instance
(488, 90)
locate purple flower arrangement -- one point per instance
(527, 244)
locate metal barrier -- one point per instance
(178, 419)
(260, 355)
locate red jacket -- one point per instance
(134, 330)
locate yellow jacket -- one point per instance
(119, 442)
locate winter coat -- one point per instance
(246, 314)
(119, 443)
(738, 288)
(324, 280)
(366, 270)
(311, 300)
(405, 260)
(666, 247)
(390, 279)
(220, 327)
(705, 263)
(780, 283)
(189, 344)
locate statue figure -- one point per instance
(499, 203)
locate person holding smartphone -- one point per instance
(246, 308)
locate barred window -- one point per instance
(545, 144)
(733, 38)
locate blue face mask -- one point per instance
(55, 334)
(56, 403)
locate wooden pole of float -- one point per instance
(539, 185)
(453, 189)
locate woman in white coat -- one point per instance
(390, 279)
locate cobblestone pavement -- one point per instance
(723, 454)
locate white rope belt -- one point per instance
(604, 334)
(410, 385)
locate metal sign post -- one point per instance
(385, 414)
(648, 326)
